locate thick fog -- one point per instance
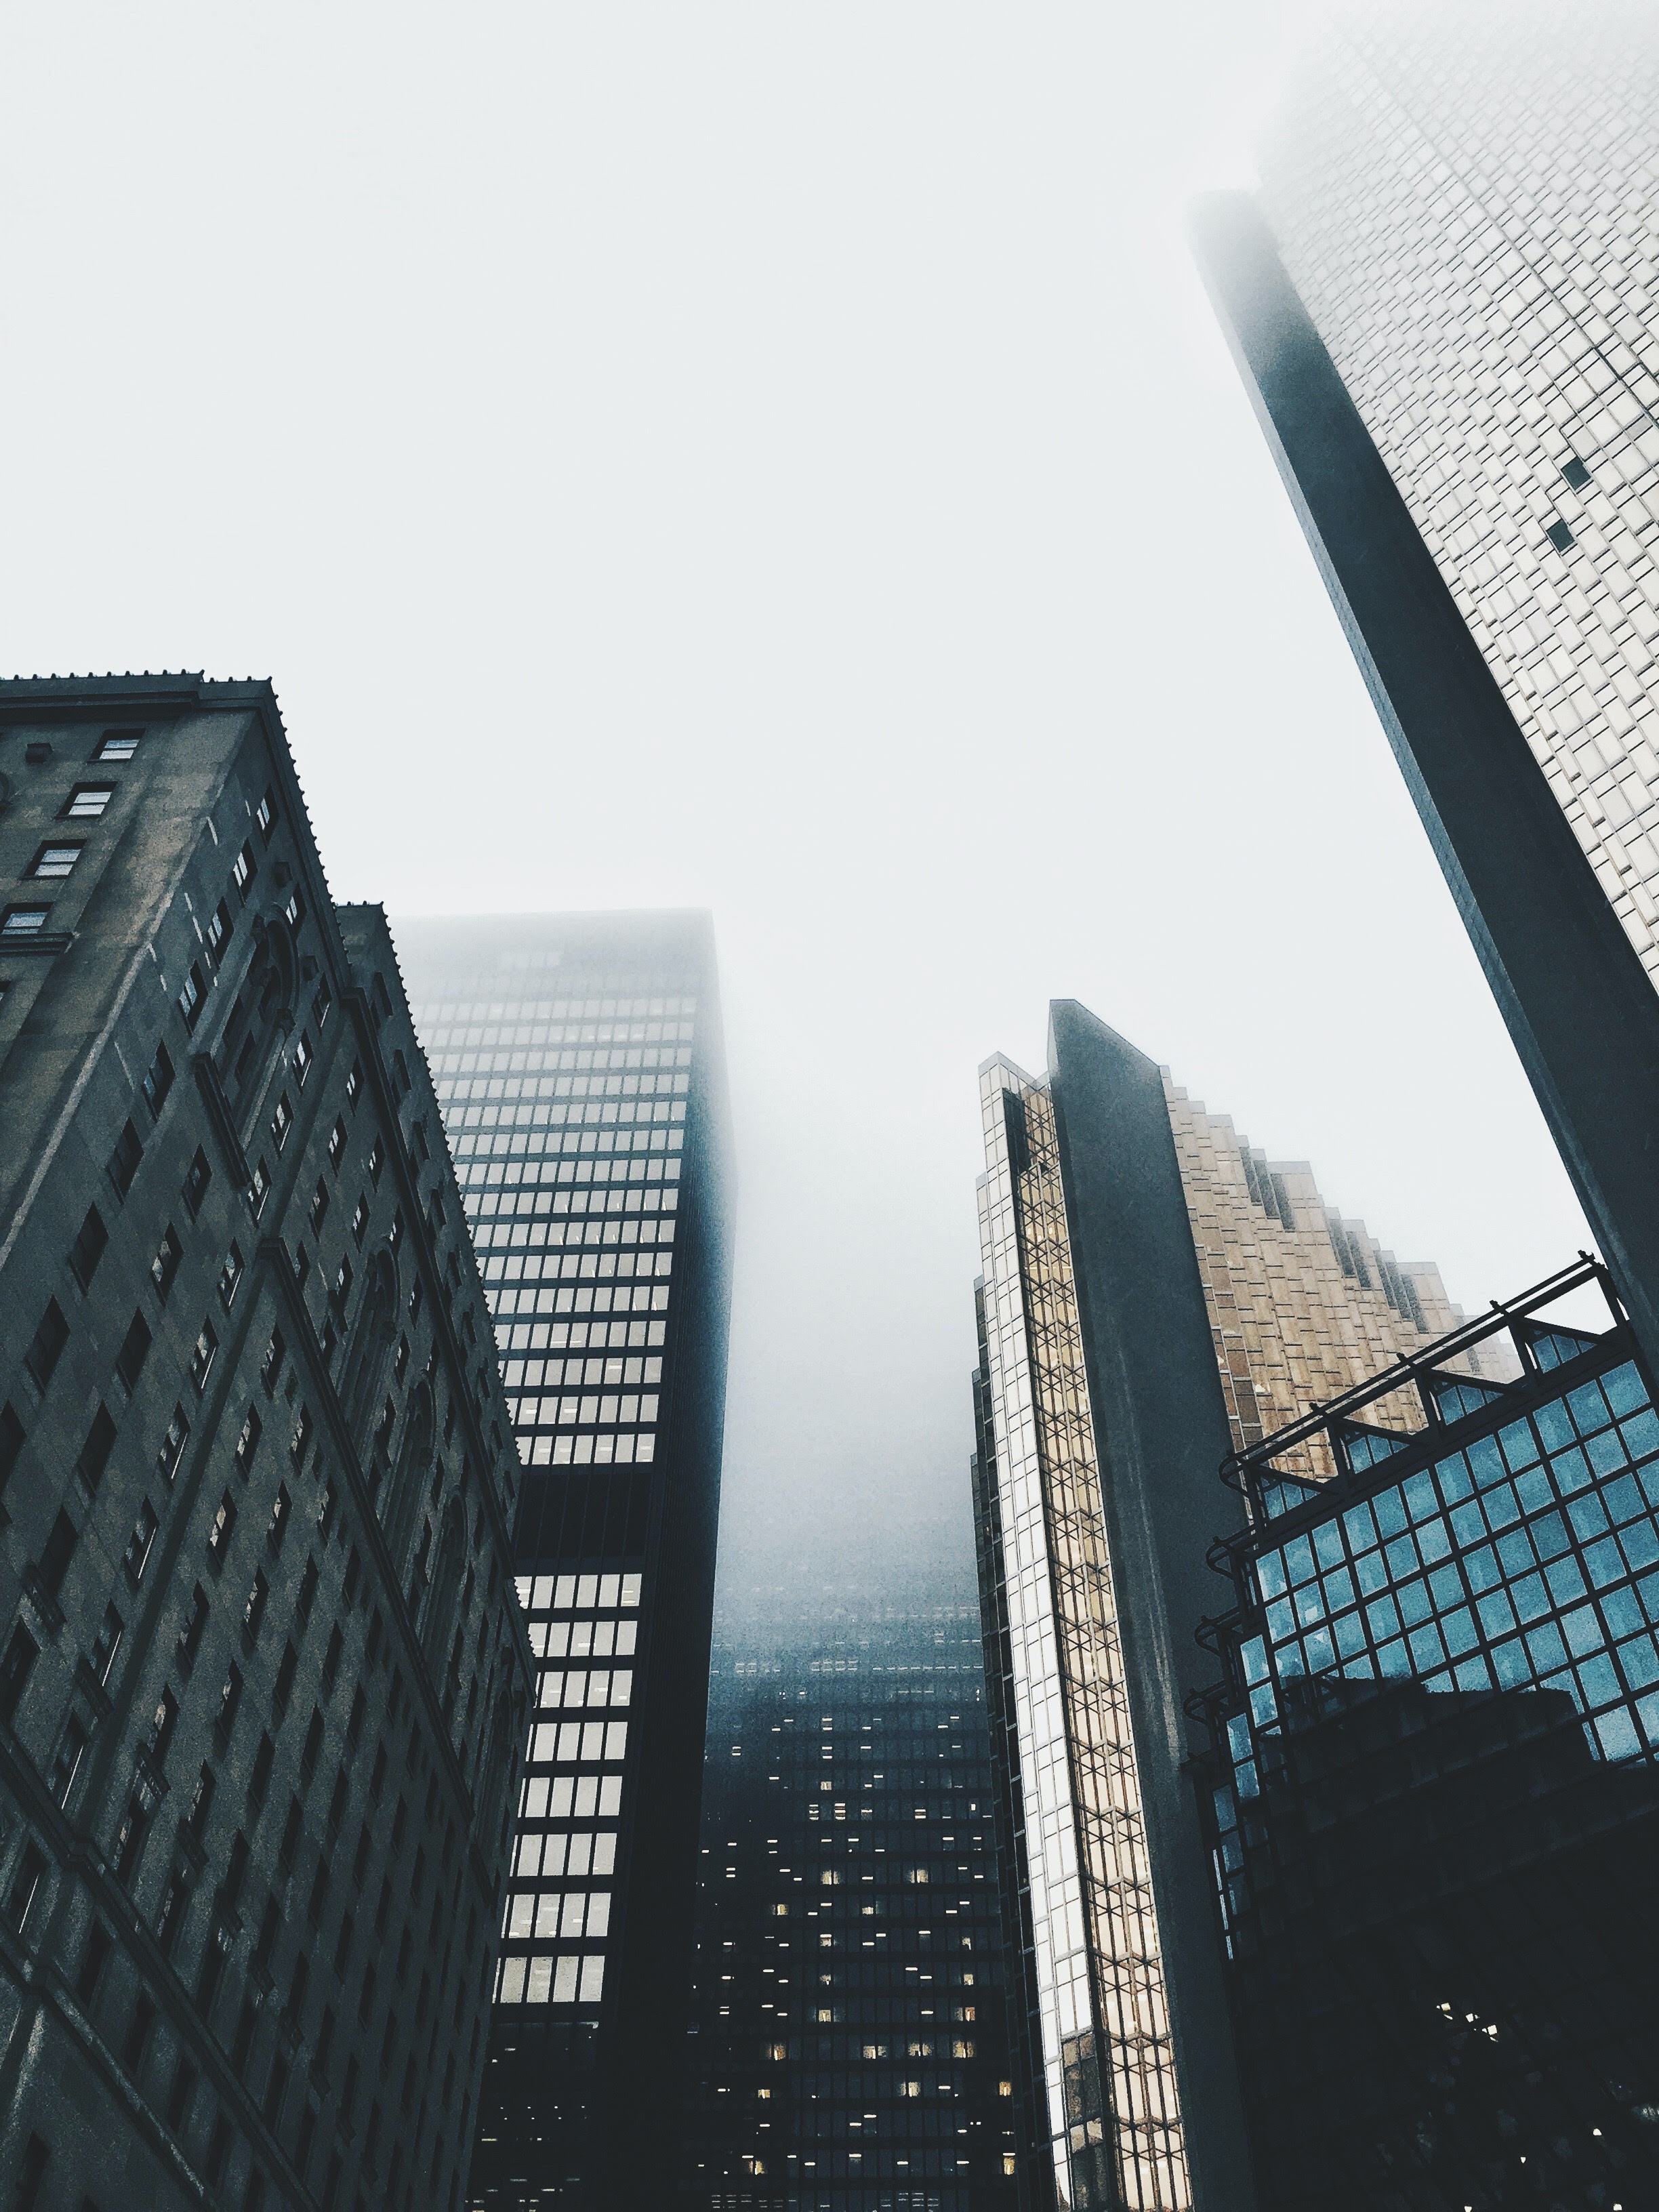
(776, 459)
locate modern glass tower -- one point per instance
(580, 1072)
(1445, 309)
(1156, 1294)
(850, 2038)
(1435, 1777)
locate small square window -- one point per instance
(303, 1057)
(196, 1179)
(118, 745)
(54, 860)
(265, 815)
(230, 1276)
(88, 801)
(322, 1001)
(23, 922)
(158, 1082)
(190, 998)
(337, 1144)
(294, 911)
(359, 1221)
(1560, 537)
(258, 1190)
(169, 1254)
(243, 870)
(202, 1357)
(1575, 472)
(354, 1082)
(218, 932)
(281, 1122)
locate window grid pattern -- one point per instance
(1464, 201)
(1108, 2060)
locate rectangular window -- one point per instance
(11, 1441)
(218, 932)
(343, 1285)
(58, 1551)
(55, 860)
(70, 1752)
(230, 1276)
(21, 1653)
(190, 999)
(294, 910)
(322, 1003)
(123, 1160)
(354, 1082)
(248, 1441)
(108, 1644)
(172, 1445)
(337, 1144)
(158, 1082)
(303, 1056)
(135, 1351)
(199, 1177)
(88, 801)
(137, 1558)
(169, 1256)
(282, 1121)
(47, 1347)
(117, 745)
(88, 1248)
(270, 1367)
(318, 1210)
(258, 1190)
(224, 1526)
(31, 1872)
(202, 1357)
(243, 870)
(376, 1159)
(359, 1221)
(18, 923)
(265, 815)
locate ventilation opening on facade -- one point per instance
(1575, 472)
(1559, 536)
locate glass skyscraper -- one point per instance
(1435, 1795)
(1444, 307)
(1155, 1294)
(579, 1070)
(850, 2049)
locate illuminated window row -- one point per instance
(605, 1686)
(566, 1978)
(617, 1448)
(579, 1593)
(577, 1855)
(567, 1797)
(552, 1912)
(567, 1742)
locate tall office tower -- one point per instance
(1436, 1798)
(850, 2050)
(262, 1705)
(1154, 1293)
(581, 1068)
(1446, 311)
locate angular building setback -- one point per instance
(581, 1067)
(262, 1688)
(1155, 1294)
(1445, 306)
(850, 2052)
(1436, 1787)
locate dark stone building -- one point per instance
(580, 1063)
(1435, 1802)
(264, 1685)
(850, 2050)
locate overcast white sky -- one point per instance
(778, 457)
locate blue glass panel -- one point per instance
(1361, 1669)
(1338, 1590)
(1270, 1573)
(1571, 1470)
(1350, 1635)
(1481, 1568)
(1532, 1599)
(1545, 1645)
(1599, 1680)
(1238, 1736)
(1647, 1591)
(1519, 1444)
(1535, 1490)
(1486, 1461)
(1606, 1453)
(1502, 1507)
(1321, 1652)
(1447, 1586)
(1566, 1583)
(1245, 1782)
(1454, 1478)
(1394, 1662)
(1623, 1500)
(1583, 1630)
(1626, 1389)
(1649, 1479)
(1606, 1563)
(1588, 1408)
(1589, 1515)
(1310, 1604)
(1226, 1815)
(1443, 1680)
(1468, 1524)
(1472, 1674)
(1641, 1433)
(1555, 1426)
(1641, 1545)
(1281, 1621)
(1383, 1619)
(1360, 1527)
(1414, 1604)
(1618, 1733)
(1516, 1550)
(1290, 1662)
(1389, 1507)
(1511, 1665)
(1459, 1631)
(1550, 1537)
(1328, 1544)
(1401, 1556)
(1427, 1650)
(1264, 1707)
(1640, 1661)
(1421, 1496)
(1434, 1541)
(1298, 1559)
(1648, 1713)
(1255, 1658)
(1497, 1613)
(1373, 1573)
(1621, 1612)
